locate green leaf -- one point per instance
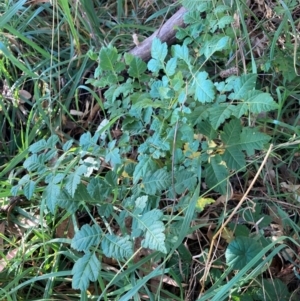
(204, 88)
(68, 145)
(216, 175)
(73, 179)
(207, 130)
(171, 66)
(233, 155)
(219, 113)
(232, 131)
(242, 85)
(50, 194)
(28, 189)
(38, 146)
(157, 181)
(85, 269)
(108, 59)
(199, 114)
(71, 204)
(34, 163)
(185, 180)
(137, 67)
(145, 165)
(154, 92)
(252, 139)
(149, 103)
(234, 158)
(97, 188)
(191, 17)
(105, 210)
(154, 230)
(52, 141)
(86, 237)
(140, 204)
(272, 289)
(113, 156)
(241, 251)
(214, 45)
(117, 247)
(181, 52)
(154, 65)
(159, 50)
(11, 12)
(224, 21)
(259, 102)
(115, 93)
(196, 5)
(239, 110)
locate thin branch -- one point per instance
(209, 262)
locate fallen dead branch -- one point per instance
(166, 34)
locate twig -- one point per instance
(209, 262)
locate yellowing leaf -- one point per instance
(125, 174)
(188, 152)
(227, 234)
(211, 145)
(202, 202)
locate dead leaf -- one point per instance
(135, 39)
(227, 234)
(24, 95)
(10, 255)
(65, 229)
(292, 188)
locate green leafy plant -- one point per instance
(190, 127)
(172, 131)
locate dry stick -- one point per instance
(166, 34)
(207, 267)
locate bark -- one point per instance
(166, 34)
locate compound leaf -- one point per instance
(157, 181)
(29, 188)
(85, 269)
(153, 229)
(145, 164)
(117, 247)
(38, 146)
(185, 180)
(50, 194)
(86, 237)
(64, 200)
(74, 179)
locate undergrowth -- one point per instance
(128, 179)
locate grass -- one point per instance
(45, 51)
